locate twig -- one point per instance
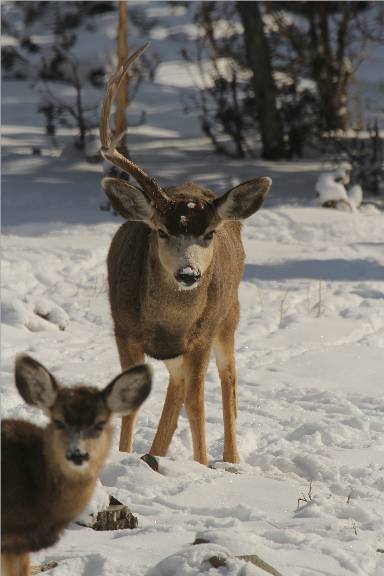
(260, 296)
(308, 299)
(354, 526)
(305, 497)
(320, 299)
(282, 306)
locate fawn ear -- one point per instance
(35, 384)
(129, 390)
(127, 200)
(244, 200)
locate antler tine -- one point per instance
(108, 144)
(105, 136)
(112, 88)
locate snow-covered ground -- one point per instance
(310, 355)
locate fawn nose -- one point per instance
(188, 276)
(77, 457)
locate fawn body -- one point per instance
(174, 270)
(49, 474)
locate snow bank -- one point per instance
(204, 559)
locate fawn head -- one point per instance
(184, 218)
(80, 432)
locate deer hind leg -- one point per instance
(224, 347)
(171, 409)
(15, 564)
(130, 354)
(196, 364)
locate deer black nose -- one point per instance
(188, 276)
(77, 457)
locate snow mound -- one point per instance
(98, 503)
(204, 559)
(51, 312)
(331, 192)
(355, 195)
(328, 188)
(34, 315)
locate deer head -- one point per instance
(80, 417)
(184, 219)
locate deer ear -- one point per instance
(35, 384)
(128, 201)
(244, 200)
(129, 390)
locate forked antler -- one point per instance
(108, 144)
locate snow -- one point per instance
(331, 186)
(188, 271)
(328, 189)
(355, 194)
(309, 356)
(99, 502)
(195, 560)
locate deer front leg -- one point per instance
(196, 364)
(224, 348)
(130, 353)
(171, 409)
(25, 565)
(15, 564)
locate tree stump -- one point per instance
(116, 517)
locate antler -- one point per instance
(108, 144)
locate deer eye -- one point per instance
(60, 425)
(162, 234)
(209, 235)
(99, 426)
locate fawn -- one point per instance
(49, 474)
(174, 270)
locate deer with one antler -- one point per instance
(174, 270)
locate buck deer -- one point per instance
(174, 270)
(48, 474)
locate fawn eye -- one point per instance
(60, 425)
(99, 426)
(162, 234)
(209, 235)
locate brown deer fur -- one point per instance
(43, 488)
(174, 270)
(152, 316)
(37, 482)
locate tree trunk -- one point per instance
(122, 94)
(332, 81)
(259, 61)
(330, 66)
